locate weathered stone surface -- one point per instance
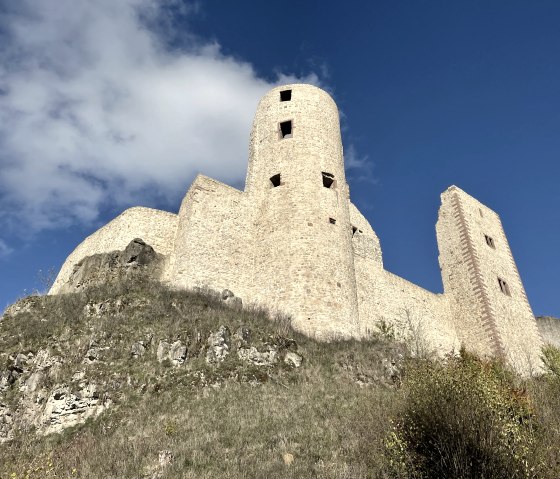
(254, 356)
(293, 359)
(102, 267)
(6, 423)
(175, 352)
(218, 346)
(64, 408)
(230, 299)
(138, 349)
(549, 329)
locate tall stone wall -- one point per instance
(212, 244)
(155, 227)
(488, 302)
(550, 330)
(414, 314)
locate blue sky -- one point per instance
(105, 105)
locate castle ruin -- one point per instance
(293, 242)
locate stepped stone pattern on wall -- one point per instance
(294, 243)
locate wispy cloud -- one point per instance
(97, 109)
(358, 167)
(5, 250)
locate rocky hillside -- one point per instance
(127, 378)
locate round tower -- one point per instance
(303, 259)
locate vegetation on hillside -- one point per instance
(351, 410)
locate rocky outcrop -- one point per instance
(137, 257)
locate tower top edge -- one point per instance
(298, 87)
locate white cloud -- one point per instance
(359, 168)
(5, 250)
(95, 109)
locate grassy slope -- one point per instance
(243, 426)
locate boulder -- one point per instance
(293, 359)
(254, 356)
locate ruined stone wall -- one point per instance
(155, 227)
(212, 244)
(385, 300)
(490, 318)
(550, 330)
(302, 236)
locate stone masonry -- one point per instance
(293, 242)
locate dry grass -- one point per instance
(333, 417)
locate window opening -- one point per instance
(286, 129)
(489, 241)
(480, 211)
(332, 221)
(285, 95)
(504, 288)
(328, 180)
(275, 180)
(354, 229)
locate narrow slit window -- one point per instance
(328, 180)
(275, 180)
(286, 129)
(504, 288)
(332, 221)
(354, 230)
(286, 95)
(489, 241)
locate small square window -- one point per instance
(504, 288)
(286, 129)
(275, 180)
(286, 95)
(489, 241)
(328, 180)
(332, 221)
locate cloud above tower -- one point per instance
(98, 106)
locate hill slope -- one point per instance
(163, 376)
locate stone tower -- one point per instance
(302, 236)
(487, 299)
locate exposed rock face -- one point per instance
(92, 362)
(99, 268)
(254, 356)
(219, 345)
(175, 352)
(293, 359)
(64, 408)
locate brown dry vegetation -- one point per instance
(340, 415)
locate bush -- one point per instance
(463, 419)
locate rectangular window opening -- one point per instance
(332, 221)
(504, 288)
(285, 95)
(286, 129)
(489, 241)
(328, 180)
(275, 180)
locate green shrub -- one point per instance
(463, 419)
(551, 360)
